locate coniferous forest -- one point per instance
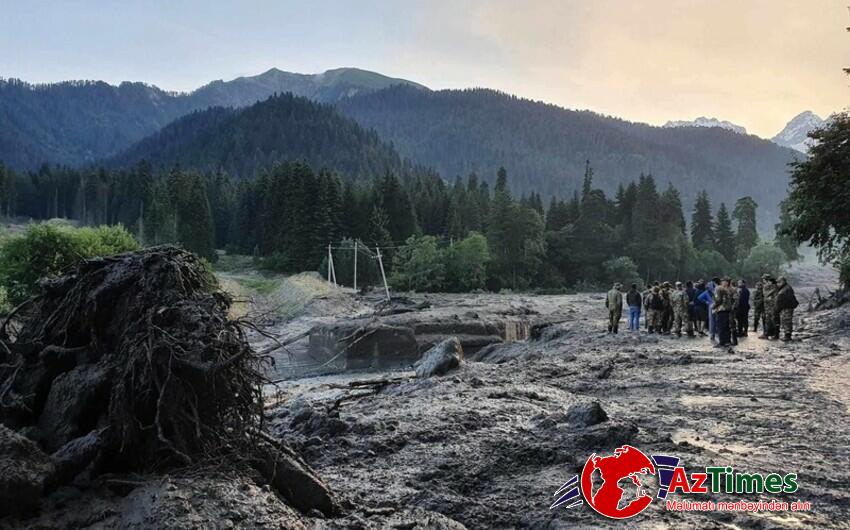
(433, 235)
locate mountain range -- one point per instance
(82, 122)
(544, 147)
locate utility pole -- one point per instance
(331, 271)
(355, 265)
(383, 275)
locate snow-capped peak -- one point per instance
(795, 133)
(702, 121)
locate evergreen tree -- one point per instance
(724, 235)
(645, 227)
(395, 203)
(194, 219)
(702, 224)
(784, 240)
(746, 236)
(502, 181)
(587, 183)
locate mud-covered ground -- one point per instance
(487, 445)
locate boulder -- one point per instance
(440, 359)
(24, 471)
(586, 414)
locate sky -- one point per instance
(756, 63)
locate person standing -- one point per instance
(706, 299)
(743, 313)
(679, 301)
(691, 292)
(733, 314)
(786, 303)
(721, 308)
(758, 306)
(634, 301)
(656, 308)
(614, 303)
(712, 316)
(646, 295)
(667, 312)
(771, 329)
(700, 308)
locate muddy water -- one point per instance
(487, 445)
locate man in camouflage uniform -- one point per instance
(667, 312)
(679, 301)
(786, 302)
(645, 298)
(722, 307)
(614, 303)
(758, 306)
(655, 307)
(733, 314)
(771, 329)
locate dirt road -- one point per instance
(487, 445)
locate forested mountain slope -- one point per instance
(80, 122)
(243, 142)
(544, 147)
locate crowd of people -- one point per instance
(717, 308)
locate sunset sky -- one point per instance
(753, 62)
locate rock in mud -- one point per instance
(440, 359)
(586, 414)
(24, 471)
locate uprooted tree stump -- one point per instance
(131, 364)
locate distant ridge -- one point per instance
(702, 121)
(81, 122)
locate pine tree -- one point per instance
(587, 183)
(646, 228)
(671, 208)
(195, 224)
(746, 236)
(702, 224)
(502, 181)
(395, 202)
(724, 234)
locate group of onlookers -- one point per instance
(716, 308)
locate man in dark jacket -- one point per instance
(786, 302)
(634, 300)
(771, 326)
(743, 317)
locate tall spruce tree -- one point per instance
(724, 235)
(746, 236)
(702, 223)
